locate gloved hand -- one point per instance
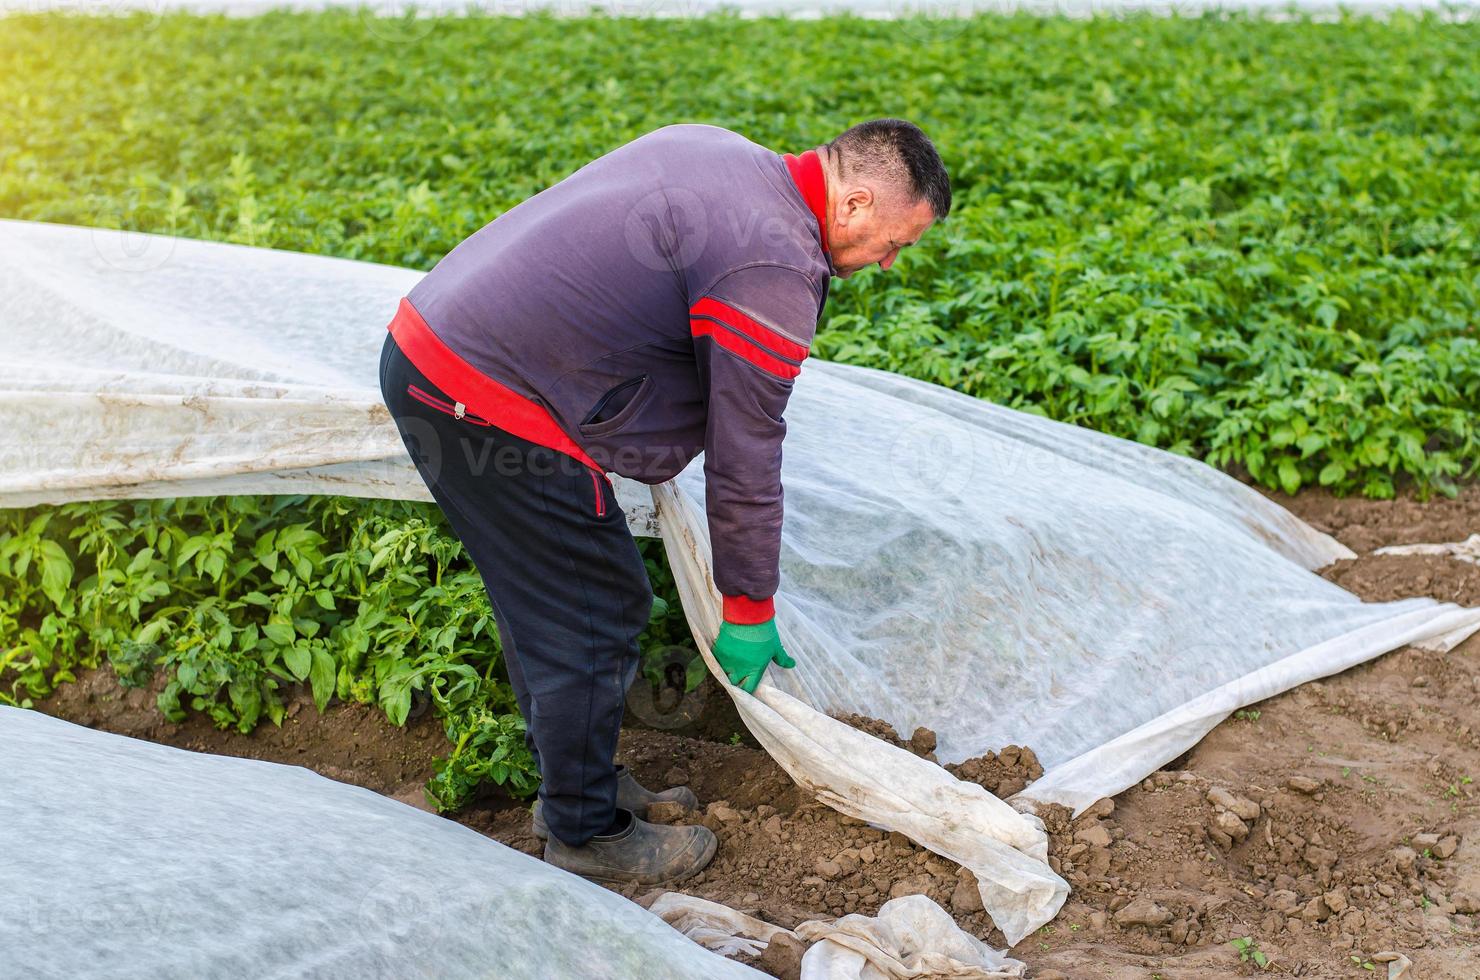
(744, 652)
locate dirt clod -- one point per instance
(1003, 773)
(921, 743)
(782, 957)
(1303, 784)
(1094, 835)
(1244, 809)
(1142, 912)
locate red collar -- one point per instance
(806, 172)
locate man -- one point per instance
(655, 304)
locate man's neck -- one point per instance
(830, 182)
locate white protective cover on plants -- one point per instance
(121, 858)
(992, 575)
(910, 937)
(1466, 550)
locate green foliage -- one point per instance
(236, 603)
(489, 747)
(1246, 240)
(1249, 952)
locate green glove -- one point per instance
(744, 652)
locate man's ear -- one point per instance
(857, 199)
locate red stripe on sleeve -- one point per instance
(739, 345)
(753, 329)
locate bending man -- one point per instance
(655, 304)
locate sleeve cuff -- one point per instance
(745, 611)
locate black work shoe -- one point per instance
(641, 852)
(630, 796)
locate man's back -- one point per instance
(583, 297)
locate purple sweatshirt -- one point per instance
(655, 304)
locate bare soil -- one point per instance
(351, 743)
(1328, 824)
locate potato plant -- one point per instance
(231, 606)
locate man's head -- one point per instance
(885, 187)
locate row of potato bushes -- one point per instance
(233, 606)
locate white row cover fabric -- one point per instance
(1466, 550)
(135, 366)
(120, 858)
(910, 937)
(857, 774)
(992, 575)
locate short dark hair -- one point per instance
(899, 151)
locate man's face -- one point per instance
(869, 228)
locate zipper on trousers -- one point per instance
(600, 499)
(460, 411)
(456, 409)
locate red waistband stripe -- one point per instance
(499, 405)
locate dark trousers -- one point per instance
(569, 590)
